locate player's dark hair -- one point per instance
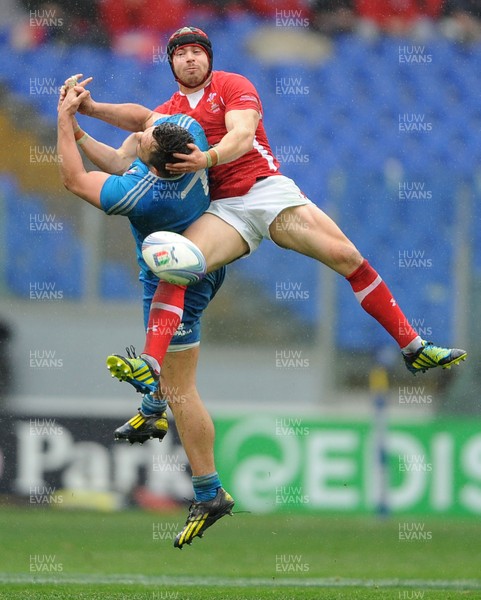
(167, 139)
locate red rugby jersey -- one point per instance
(227, 91)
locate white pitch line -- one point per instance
(321, 582)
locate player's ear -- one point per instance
(155, 171)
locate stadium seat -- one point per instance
(116, 283)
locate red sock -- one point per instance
(164, 318)
(376, 299)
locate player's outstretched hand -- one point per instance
(74, 82)
(72, 101)
(188, 163)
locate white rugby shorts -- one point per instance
(252, 214)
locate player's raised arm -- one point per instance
(74, 176)
(129, 116)
(107, 158)
(241, 128)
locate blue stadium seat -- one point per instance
(41, 250)
(116, 283)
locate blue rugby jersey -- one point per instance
(152, 203)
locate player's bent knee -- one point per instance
(344, 258)
(349, 257)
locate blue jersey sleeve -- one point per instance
(121, 193)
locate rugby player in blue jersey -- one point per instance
(135, 183)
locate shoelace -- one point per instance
(131, 352)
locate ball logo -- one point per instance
(162, 258)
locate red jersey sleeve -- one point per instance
(238, 93)
(163, 108)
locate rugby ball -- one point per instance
(173, 258)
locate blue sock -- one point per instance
(206, 486)
(152, 406)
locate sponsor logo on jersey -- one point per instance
(249, 97)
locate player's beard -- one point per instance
(192, 78)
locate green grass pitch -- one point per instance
(60, 554)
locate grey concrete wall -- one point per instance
(59, 351)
